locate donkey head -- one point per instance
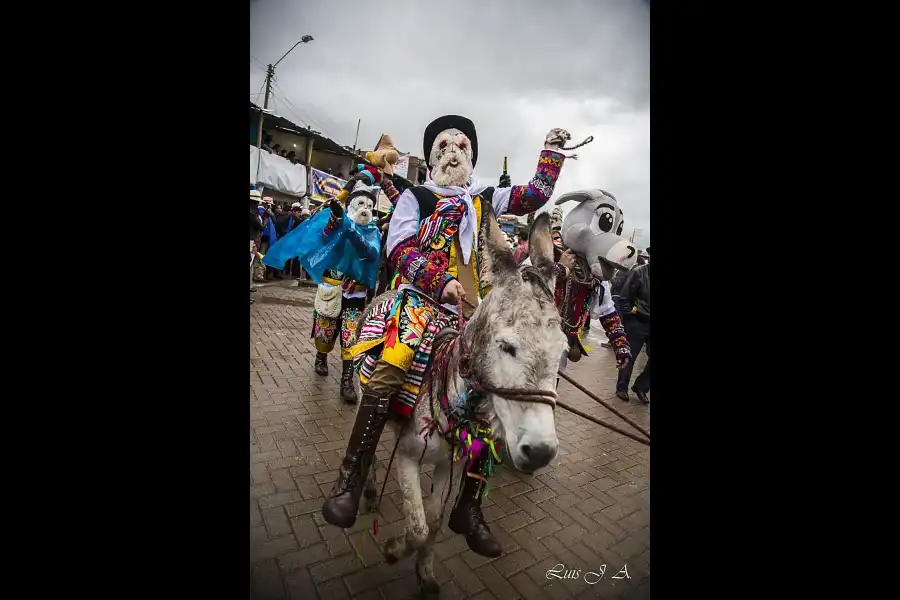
(593, 230)
(516, 340)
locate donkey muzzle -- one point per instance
(536, 456)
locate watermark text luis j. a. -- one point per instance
(590, 577)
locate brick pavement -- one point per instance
(590, 509)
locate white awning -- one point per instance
(277, 172)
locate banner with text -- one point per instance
(401, 167)
(323, 186)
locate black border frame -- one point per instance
(170, 333)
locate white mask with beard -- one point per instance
(359, 209)
(451, 159)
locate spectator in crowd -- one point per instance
(615, 288)
(291, 156)
(276, 149)
(268, 237)
(256, 227)
(267, 142)
(633, 303)
(521, 252)
(285, 222)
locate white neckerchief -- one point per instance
(467, 226)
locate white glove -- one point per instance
(556, 139)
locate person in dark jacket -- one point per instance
(256, 228)
(633, 302)
(268, 237)
(284, 224)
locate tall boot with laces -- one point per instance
(348, 392)
(321, 364)
(467, 519)
(342, 505)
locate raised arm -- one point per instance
(525, 199)
(403, 249)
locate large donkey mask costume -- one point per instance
(593, 231)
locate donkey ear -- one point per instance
(581, 196)
(497, 258)
(540, 247)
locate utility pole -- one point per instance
(270, 73)
(634, 233)
(356, 138)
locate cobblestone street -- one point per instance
(590, 508)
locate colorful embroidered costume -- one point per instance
(592, 230)
(432, 241)
(577, 297)
(427, 254)
(340, 251)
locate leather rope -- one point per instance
(529, 396)
(586, 141)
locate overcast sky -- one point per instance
(516, 68)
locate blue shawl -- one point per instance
(351, 249)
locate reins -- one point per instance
(546, 398)
(476, 381)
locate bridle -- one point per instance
(476, 380)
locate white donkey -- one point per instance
(510, 349)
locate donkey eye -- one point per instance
(619, 230)
(605, 221)
(508, 348)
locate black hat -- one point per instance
(450, 122)
(647, 250)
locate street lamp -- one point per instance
(304, 40)
(270, 72)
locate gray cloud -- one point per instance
(516, 69)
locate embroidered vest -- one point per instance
(436, 235)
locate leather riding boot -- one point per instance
(348, 392)
(466, 518)
(342, 505)
(321, 366)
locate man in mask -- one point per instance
(432, 244)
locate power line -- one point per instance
(304, 119)
(318, 110)
(258, 63)
(259, 93)
(308, 118)
(322, 117)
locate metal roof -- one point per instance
(320, 142)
